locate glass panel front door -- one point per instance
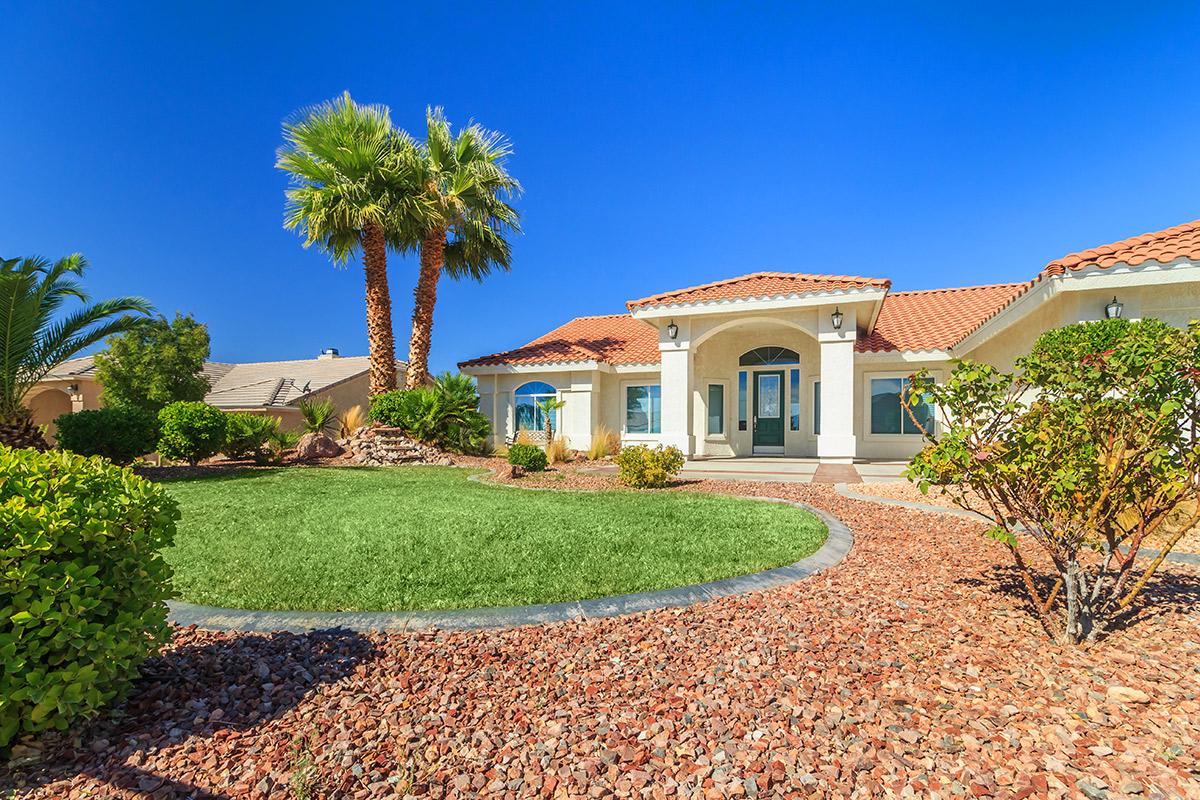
(768, 409)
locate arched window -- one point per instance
(529, 416)
(764, 356)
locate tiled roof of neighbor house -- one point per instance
(72, 368)
(761, 285)
(935, 319)
(613, 339)
(1181, 241)
(278, 383)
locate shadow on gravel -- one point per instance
(221, 687)
(1168, 592)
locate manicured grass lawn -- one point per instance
(427, 538)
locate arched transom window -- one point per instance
(764, 356)
(529, 415)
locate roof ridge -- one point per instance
(725, 282)
(1089, 253)
(1005, 285)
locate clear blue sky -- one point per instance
(660, 146)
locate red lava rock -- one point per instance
(912, 667)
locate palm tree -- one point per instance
(463, 187)
(34, 338)
(351, 175)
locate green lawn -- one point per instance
(427, 538)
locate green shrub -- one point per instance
(529, 456)
(83, 585)
(248, 435)
(645, 468)
(445, 414)
(191, 431)
(119, 434)
(320, 416)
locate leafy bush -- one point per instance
(1087, 452)
(444, 414)
(191, 431)
(645, 468)
(248, 435)
(83, 585)
(529, 456)
(319, 415)
(119, 434)
(160, 361)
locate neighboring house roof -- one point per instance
(761, 286)
(72, 368)
(612, 339)
(274, 384)
(1181, 241)
(935, 319)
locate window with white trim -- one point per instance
(643, 408)
(529, 416)
(888, 415)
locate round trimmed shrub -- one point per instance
(642, 467)
(119, 434)
(83, 585)
(247, 435)
(191, 431)
(529, 456)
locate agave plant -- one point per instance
(36, 336)
(319, 415)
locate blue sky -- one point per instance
(660, 145)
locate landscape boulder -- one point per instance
(317, 445)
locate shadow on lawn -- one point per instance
(218, 689)
(1168, 592)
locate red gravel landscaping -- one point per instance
(912, 668)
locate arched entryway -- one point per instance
(47, 406)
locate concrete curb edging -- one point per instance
(845, 491)
(837, 544)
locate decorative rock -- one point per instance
(317, 445)
(1124, 694)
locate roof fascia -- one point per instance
(772, 303)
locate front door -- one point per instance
(768, 410)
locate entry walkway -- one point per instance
(791, 470)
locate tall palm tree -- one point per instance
(351, 175)
(463, 187)
(35, 338)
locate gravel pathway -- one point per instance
(911, 669)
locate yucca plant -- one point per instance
(318, 415)
(36, 336)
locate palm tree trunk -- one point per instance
(18, 430)
(433, 248)
(379, 312)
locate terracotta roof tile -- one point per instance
(936, 319)
(614, 339)
(761, 285)
(1181, 241)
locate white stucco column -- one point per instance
(676, 386)
(836, 443)
(576, 417)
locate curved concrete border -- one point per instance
(837, 544)
(845, 491)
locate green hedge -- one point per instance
(119, 434)
(529, 456)
(191, 431)
(83, 585)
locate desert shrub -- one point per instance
(444, 414)
(557, 451)
(351, 420)
(119, 434)
(523, 437)
(648, 468)
(83, 585)
(529, 456)
(319, 415)
(248, 435)
(1088, 452)
(191, 431)
(605, 442)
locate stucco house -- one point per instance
(272, 388)
(804, 365)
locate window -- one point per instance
(716, 408)
(765, 356)
(817, 408)
(887, 412)
(794, 398)
(529, 416)
(643, 409)
(741, 401)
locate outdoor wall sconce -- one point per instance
(1113, 310)
(672, 330)
(836, 318)
(73, 388)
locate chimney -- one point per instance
(329, 352)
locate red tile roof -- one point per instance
(1181, 241)
(614, 339)
(936, 319)
(761, 285)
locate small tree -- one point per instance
(1090, 452)
(157, 363)
(548, 407)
